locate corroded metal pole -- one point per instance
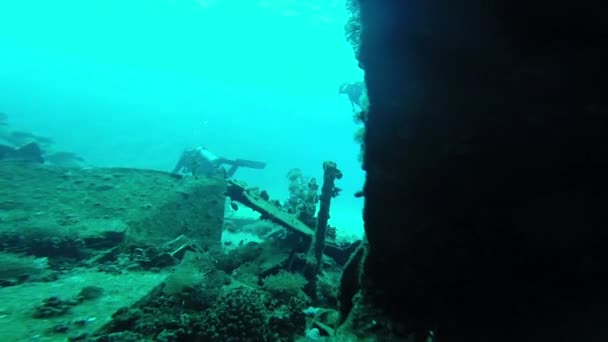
(328, 191)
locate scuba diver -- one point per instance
(201, 162)
(354, 91)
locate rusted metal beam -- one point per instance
(253, 199)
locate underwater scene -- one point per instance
(178, 170)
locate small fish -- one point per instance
(234, 206)
(311, 311)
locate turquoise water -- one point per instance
(133, 83)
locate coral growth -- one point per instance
(53, 307)
(196, 282)
(287, 318)
(352, 32)
(360, 118)
(327, 288)
(239, 315)
(285, 284)
(352, 28)
(303, 196)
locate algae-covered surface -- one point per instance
(151, 206)
(116, 254)
(18, 304)
(67, 231)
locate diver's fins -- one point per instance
(244, 163)
(250, 163)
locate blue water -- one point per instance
(133, 83)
